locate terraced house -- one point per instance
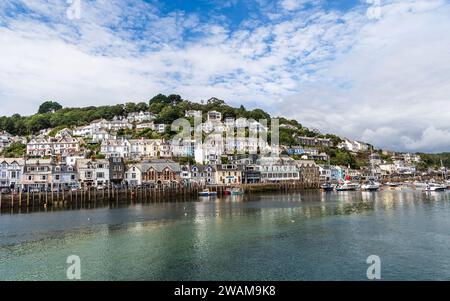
(155, 172)
(10, 172)
(37, 174)
(93, 172)
(45, 147)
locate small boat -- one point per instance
(327, 187)
(237, 191)
(435, 187)
(370, 186)
(207, 192)
(347, 186)
(392, 184)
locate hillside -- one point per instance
(167, 109)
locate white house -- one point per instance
(93, 172)
(276, 169)
(140, 117)
(115, 148)
(41, 147)
(10, 172)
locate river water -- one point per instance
(309, 235)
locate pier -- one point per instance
(23, 200)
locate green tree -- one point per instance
(15, 150)
(48, 107)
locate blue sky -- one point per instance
(373, 70)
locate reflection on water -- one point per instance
(310, 235)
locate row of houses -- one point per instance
(76, 172)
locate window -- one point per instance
(57, 177)
(43, 178)
(100, 175)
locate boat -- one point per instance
(392, 184)
(370, 186)
(207, 192)
(237, 191)
(347, 186)
(435, 187)
(327, 187)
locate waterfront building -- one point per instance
(251, 175)
(63, 176)
(202, 174)
(154, 172)
(37, 174)
(276, 169)
(45, 147)
(337, 173)
(11, 170)
(228, 174)
(93, 172)
(116, 170)
(309, 171)
(324, 173)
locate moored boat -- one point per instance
(327, 187)
(207, 192)
(435, 187)
(370, 186)
(347, 186)
(237, 191)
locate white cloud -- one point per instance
(392, 85)
(337, 71)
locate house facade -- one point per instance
(10, 172)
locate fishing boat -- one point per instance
(207, 192)
(347, 186)
(327, 187)
(370, 186)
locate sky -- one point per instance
(370, 70)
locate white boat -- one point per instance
(435, 187)
(392, 184)
(370, 186)
(347, 186)
(207, 192)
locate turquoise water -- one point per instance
(298, 236)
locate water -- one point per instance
(298, 236)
